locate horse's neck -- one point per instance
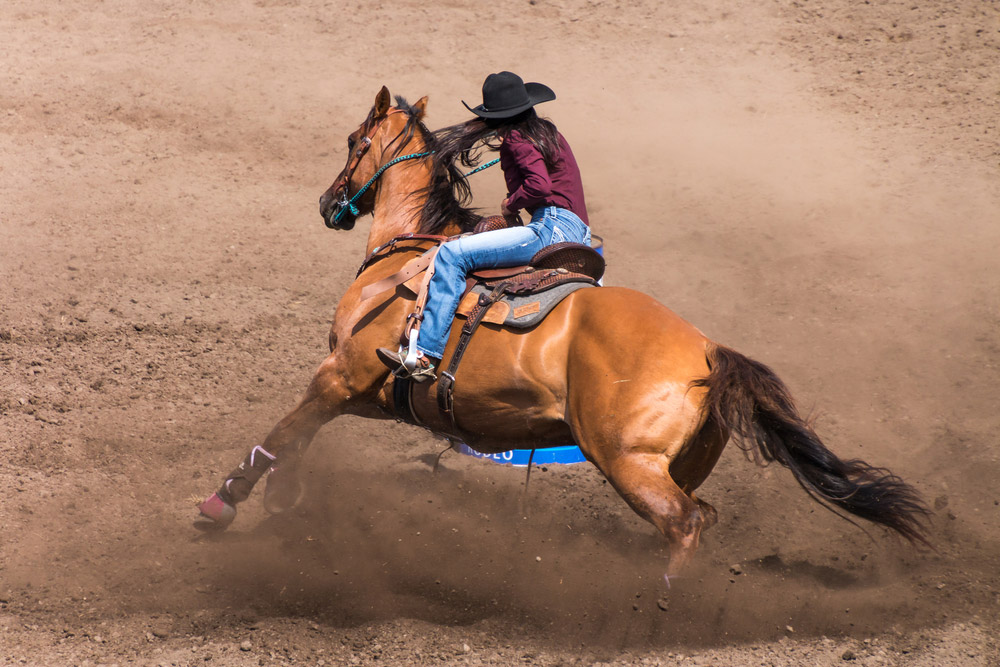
(399, 201)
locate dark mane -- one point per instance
(448, 191)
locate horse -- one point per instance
(654, 424)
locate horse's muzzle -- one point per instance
(345, 223)
(330, 209)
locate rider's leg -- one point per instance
(503, 247)
(487, 250)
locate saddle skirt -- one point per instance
(525, 309)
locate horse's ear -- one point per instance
(382, 102)
(421, 107)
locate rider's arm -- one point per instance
(535, 188)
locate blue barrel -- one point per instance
(597, 243)
(520, 457)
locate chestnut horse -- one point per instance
(645, 395)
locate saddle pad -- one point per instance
(521, 312)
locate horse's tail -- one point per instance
(748, 399)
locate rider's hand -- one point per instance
(504, 211)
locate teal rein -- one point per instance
(482, 166)
(349, 205)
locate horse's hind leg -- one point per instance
(644, 481)
(324, 400)
(709, 513)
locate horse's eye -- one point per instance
(350, 143)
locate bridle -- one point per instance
(340, 188)
(342, 185)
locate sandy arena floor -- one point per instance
(814, 184)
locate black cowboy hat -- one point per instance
(505, 95)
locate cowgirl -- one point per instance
(542, 178)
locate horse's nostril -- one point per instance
(326, 206)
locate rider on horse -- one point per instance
(542, 178)
(654, 425)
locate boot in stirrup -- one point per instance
(394, 361)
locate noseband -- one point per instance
(343, 203)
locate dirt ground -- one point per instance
(814, 184)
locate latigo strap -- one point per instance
(446, 383)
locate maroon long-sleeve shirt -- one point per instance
(531, 184)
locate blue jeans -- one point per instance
(490, 250)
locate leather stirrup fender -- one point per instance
(412, 268)
(415, 318)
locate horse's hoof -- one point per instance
(216, 514)
(284, 489)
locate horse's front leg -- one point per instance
(326, 398)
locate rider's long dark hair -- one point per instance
(539, 131)
(466, 142)
(460, 147)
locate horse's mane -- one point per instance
(448, 191)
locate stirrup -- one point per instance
(422, 371)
